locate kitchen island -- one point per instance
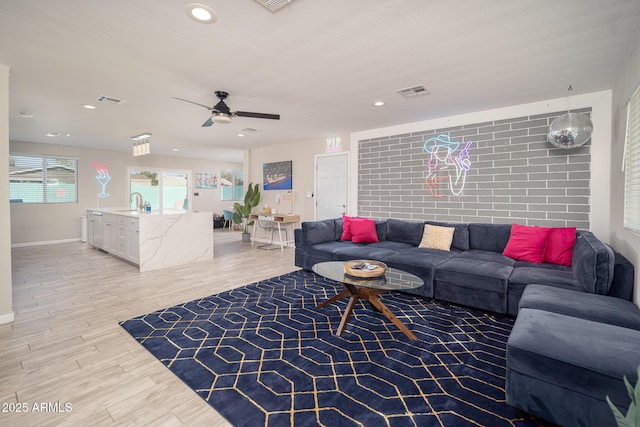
(152, 240)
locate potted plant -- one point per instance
(242, 213)
(632, 418)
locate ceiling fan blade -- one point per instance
(208, 123)
(191, 102)
(257, 115)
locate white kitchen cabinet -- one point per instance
(94, 228)
(118, 235)
(109, 233)
(132, 240)
(90, 228)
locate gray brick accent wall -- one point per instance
(516, 175)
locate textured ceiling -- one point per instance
(319, 64)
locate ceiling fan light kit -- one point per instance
(221, 118)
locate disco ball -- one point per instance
(570, 130)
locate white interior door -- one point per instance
(331, 186)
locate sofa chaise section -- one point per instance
(568, 351)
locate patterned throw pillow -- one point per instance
(436, 237)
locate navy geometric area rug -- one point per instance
(264, 355)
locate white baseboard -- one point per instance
(7, 318)
(47, 242)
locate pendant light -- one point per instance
(570, 130)
(141, 144)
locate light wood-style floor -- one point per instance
(66, 346)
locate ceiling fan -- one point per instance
(220, 113)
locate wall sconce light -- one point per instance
(141, 144)
(570, 130)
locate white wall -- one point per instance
(6, 311)
(33, 224)
(303, 155)
(624, 241)
(600, 102)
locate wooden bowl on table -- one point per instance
(365, 268)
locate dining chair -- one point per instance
(228, 218)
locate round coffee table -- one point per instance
(368, 289)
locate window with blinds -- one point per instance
(632, 165)
(43, 179)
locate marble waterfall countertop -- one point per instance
(165, 238)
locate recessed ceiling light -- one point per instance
(26, 114)
(378, 103)
(57, 134)
(89, 106)
(201, 13)
(241, 134)
(174, 149)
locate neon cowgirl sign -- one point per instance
(447, 161)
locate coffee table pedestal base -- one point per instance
(354, 294)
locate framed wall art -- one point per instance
(206, 180)
(277, 175)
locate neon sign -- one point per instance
(103, 176)
(446, 161)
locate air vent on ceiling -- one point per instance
(103, 98)
(274, 5)
(412, 92)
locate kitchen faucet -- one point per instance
(138, 200)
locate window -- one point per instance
(175, 190)
(231, 185)
(632, 165)
(43, 179)
(166, 189)
(146, 183)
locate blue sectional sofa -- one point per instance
(474, 272)
(568, 351)
(576, 333)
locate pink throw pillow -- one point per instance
(527, 243)
(559, 249)
(363, 230)
(346, 228)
